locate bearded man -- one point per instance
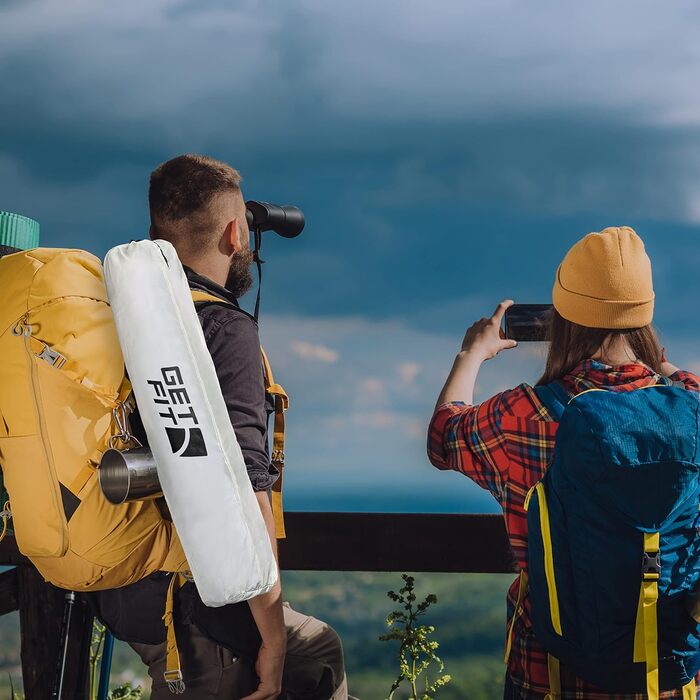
(260, 649)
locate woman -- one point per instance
(601, 338)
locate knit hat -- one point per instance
(605, 281)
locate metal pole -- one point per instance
(65, 629)
(105, 666)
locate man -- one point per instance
(259, 649)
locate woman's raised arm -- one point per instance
(482, 341)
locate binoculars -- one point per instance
(285, 220)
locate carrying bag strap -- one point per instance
(646, 626)
(281, 400)
(281, 403)
(173, 671)
(545, 532)
(554, 678)
(522, 586)
(199, 296)
(554, 397)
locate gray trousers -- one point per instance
(313, 668)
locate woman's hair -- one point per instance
(571, 344)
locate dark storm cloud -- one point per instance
(446, 155)
(139, 77)
(430, 158)
(7, 4)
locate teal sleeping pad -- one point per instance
(18, 231)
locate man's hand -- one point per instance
(269, 667)
(484, 339)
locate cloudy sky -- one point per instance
(446, 155)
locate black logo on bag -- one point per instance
(186, 440)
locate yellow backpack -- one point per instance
(64, 399)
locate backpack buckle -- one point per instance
(651, 565)
(53, 357)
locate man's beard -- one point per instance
(240, 277)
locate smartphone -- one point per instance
(527, 322)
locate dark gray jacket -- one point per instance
(232, 338)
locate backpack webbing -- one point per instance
(281, 403)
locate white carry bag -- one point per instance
(200, 464)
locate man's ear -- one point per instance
(233, 232)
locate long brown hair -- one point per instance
(571, 344)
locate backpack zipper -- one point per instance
(25, 330)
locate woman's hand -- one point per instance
(485, 339)
(482, 341)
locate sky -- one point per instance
(446, 156)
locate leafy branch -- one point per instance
(125, 692)
(417, 648)
(122, 692)
(96, 645)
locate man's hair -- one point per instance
(181, 198)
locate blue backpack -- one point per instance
(613, 543)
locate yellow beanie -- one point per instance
(605, 281)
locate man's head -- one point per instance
(196, 204)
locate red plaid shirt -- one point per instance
(505, 445)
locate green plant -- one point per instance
(13, 695)
(122, 692)
(417, 648)
(125, 692)
(96, 644)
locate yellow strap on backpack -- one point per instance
(522, 585)
(173, 671)
(281, 402)
(554, 678)
(548, 558)
(646, 630)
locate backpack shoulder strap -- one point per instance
(554, 397)
(281, 402)
(199, 295)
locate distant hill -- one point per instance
(469, 616)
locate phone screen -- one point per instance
(528, 322)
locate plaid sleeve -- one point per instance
(691, 381)
(468, 439)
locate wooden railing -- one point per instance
(315, 542)
(396, 542)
